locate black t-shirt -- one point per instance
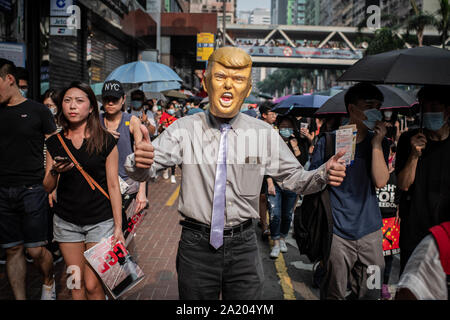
(22, 133)
(388, 197)
(77, 202)
(427, 202)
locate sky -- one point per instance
(248, 5)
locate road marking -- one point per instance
(285, 280)
(173, 197)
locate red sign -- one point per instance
(391, 236)
(287, 51)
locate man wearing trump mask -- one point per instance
(224, 156)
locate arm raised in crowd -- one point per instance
(379, 170)
(407, 174)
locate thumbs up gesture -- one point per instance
(336, 169)
(143, 151)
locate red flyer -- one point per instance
(391, 236)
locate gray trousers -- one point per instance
(359, 263)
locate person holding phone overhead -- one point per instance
(82, 162)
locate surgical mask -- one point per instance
(24, 92)
(373, 115)
(433, 120)
(388, 114)
(154, 109)
(136, 105)
(53, 111)
(286, 132)
(171, 112)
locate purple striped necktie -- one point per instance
(218, 214)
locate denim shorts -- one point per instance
(23, 216)
(64, 231)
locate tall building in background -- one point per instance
(297, 12)
(403, 9)
(353, 12)
(215, 6)
(278, 11)
(259, 16)
(242, 17)
(288, 12)
(312, 12)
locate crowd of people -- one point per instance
(298, 44)
(98, 158)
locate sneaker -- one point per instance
(48, 292)
(28, 257)
(283, 246)
(166, 174)
(385, 294)
(275, 252)
(172, 179)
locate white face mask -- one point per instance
(388, 114)
(154, 109)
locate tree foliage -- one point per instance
(384, 40)
(442, 22)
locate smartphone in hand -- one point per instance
(60, 159)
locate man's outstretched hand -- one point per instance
(143, 151)
(336, 169)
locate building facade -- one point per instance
(259, 16)
(57, 47)
(215, 6)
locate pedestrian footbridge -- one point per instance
(304, 46)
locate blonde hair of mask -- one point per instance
(229, 57)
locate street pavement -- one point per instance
(155, 247)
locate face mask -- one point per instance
(171, 112)
(388, 114)
(53, 111)
(286, 132)
(23, 92)
(136, 105)
(373, 115)
(433, 120)
(154, 109)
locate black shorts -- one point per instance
(23, 216)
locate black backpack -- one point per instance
(313, 220)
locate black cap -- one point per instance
(112, 88)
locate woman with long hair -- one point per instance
(83, 214)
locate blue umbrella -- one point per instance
(160, 86)
(301, 105)
(143, 71)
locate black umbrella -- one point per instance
(421, 66)
(394, 98)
